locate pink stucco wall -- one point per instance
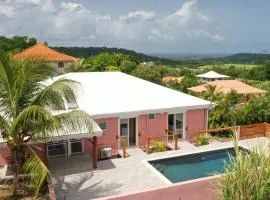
(202, 189)
(108, 137)
(196, 120)
(155, 128)
(39, 148)
(4, 154)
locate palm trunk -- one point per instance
(15, 168)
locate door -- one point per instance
(179, 125)
(124, 130)
(128, 130)
(175, 124)
(132, 131)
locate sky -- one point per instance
(149, 26)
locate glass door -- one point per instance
(179, 125)
(175, 124)
(124, 130)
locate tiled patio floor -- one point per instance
(74, 177)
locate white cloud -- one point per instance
(71, 23)
(217, 38)
(138, 16)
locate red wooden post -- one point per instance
(175, 142)
(95, 152)
(148, 145)
(124, 148)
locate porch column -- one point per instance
(95, 152)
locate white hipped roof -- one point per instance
(212, 75)
(112, 94)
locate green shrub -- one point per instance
(247, 177)
(157, 146)
(203, 139)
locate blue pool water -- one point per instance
(193, 166)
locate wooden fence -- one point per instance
(242, 132)
(254, 130)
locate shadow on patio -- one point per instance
(63, 166)
(81, 186)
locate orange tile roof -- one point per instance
(168, 78)
(41, 51)
(226, 86)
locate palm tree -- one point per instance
(27, 104)
(78, 66)
(212, 93)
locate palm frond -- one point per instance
(36, 169)
(32, 119)
(7, 77)
(74, 122)
(55, 95)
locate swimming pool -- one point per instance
(193, 166)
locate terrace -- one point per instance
(74, 177)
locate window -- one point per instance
(103, 125)
(60, 65)
(56, 149)
(76, 146)
(151, 116)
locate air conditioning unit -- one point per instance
(106, 153)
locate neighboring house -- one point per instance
(226, 86)
(166, 79)
(40, 51)
(211, 76)
(123, 105)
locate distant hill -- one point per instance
(92, 51)
(246, 58)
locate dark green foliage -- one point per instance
(148, 73)
(183, 85)
(16, 43)
(93, 51)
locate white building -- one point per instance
(212, 76)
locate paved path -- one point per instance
(74, 178)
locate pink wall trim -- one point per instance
(152, 127)
(204, 188)
(196, 120)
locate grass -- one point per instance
(242, 66)
(264, 85)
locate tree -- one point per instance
(27, 103)
(78, 66)
(212, 93)
(183, 85)
(147, 73)
(127, 66)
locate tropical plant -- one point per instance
(78, 66)
(247, 176)
(212, 93)
(157, 146)
(203, 139)
(27, 103)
